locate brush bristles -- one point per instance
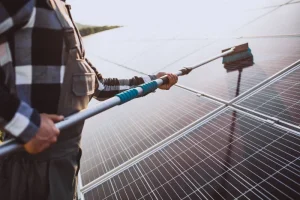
(240, 64)
(237, 56)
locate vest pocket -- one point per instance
(83, 87)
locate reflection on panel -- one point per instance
(220, 27)
(233, 156)
(148, 48)
(111, 70)
(270, 56)
(117, 135)
(120, 52)
(282, 21)
(145, 56)
(265, 4)
(166, 54)
(281, 99)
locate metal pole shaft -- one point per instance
(213, 58)
(13, 146)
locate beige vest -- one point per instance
(78, 85)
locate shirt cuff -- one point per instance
(24, 124)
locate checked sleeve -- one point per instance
(109, 87)
(14, 14)
(16, 117)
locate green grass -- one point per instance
(88, 30)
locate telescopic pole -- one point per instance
(12, 145)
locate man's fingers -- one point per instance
(172, 79)
(56, 131)
(55, 118)
(175, 78)
(46, 135)
(54, 139)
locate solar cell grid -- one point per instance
(105, 191)
(231, 156)
(122, 133)
(280, 99)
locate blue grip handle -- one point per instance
(128, 95)
(133, 93)
(149, 87)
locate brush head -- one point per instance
(240, 58)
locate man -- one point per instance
(43, 77)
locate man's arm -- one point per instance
(36, 130)
(17, 117)
(14, 14)
(109, 87)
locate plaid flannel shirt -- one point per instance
(31, 54)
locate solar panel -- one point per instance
(109, 69)
(121, 52)
(115, 136)
(233, 155)
(127, 45)
(165, 54)
(149, 49)
(270, 56)
(269, 4)
(287, 25)
(280, 99)
(220, 27)
(138, 189)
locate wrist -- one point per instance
(32, 128)
(24, 124)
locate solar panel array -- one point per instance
(231, 156)
(220, 152)
(270, 56)
(132, 128)
(280, 99)
(286, 25)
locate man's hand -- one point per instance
(46, 135)
(172, 80)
